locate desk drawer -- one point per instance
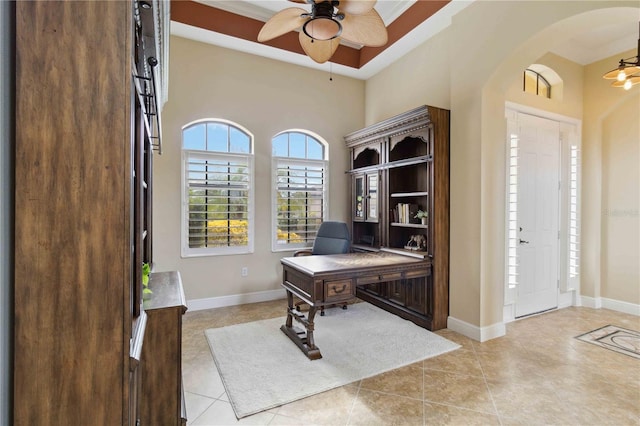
(378, 278)
(417, 273)
(338, 290)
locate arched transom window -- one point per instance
(542, 81)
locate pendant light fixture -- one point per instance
(628, 72)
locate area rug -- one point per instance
(614, 338)
(262, 368)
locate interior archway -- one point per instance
(493, 163)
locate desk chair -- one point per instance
(332, 238)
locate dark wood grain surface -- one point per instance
(413, 167)
(314, 265)
(162, 351)
(72, 269)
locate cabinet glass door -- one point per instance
(358, 198)
(372, 197)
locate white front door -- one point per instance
(538, 214)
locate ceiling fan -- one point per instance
(328, 22)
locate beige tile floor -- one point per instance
(538, 374)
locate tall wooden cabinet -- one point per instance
(400, 166)
(87, 121)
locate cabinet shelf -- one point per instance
(407, 162)
(409, 194)
(365, 169)
(405, 252)
(409, 225)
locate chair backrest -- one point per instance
(332, 238)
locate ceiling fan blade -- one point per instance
(356, 7)
(281, 23)
(318, 50)
(299, 1)
(367, 29)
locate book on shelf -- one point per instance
(405, 213)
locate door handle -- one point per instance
(521, 241)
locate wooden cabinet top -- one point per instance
(167, 291)
(410, 121)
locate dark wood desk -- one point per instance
(329, 279)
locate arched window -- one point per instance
(299, 187)
(534, 82)
(217, 196)
(542, 81)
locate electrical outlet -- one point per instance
(244, 271)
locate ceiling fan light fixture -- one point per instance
(322, 28)
(330, 21)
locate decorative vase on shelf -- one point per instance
(423, 216)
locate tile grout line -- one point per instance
(484, 379)
(201, 414)
(353, 404)
(424, 410)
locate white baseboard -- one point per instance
(235, 299)
(614, 305)
(590, 302)
(481, 334)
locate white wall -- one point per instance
(419, 78)
(6, 207)
(621, 202)
(265, 97)
(610, 190)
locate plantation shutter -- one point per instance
(218, 200)
(573, 279)
(300, 190)
(512, 255)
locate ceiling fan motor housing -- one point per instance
(324, 23)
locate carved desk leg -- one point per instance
(310, 327)
(290, 305)
(302, 338)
